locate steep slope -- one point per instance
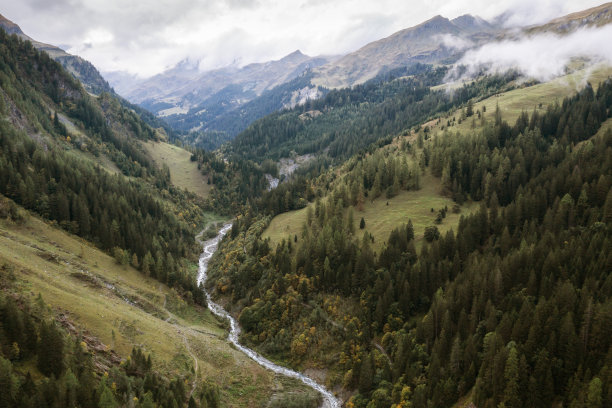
(112, 252)
(83, 70)
(218, 120)
(55, 136)
(593, 17)
(509, 288)
(432, 41)
(184, 173)
(113, 309)
(348, 120)
(185, 85)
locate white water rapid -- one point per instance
(210, 246)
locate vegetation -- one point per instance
(184, 173)
(68, 372)
(219, 120)
(521, 288)
(420, 268)
(115, 307)
(348, 120)
(39, 174)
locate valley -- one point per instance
(120, 308)
(418, 221)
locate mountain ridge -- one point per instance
(421, 43)
(80, 68)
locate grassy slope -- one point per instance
(183, 172)
(75, 132)
(416, 205)
(381, 218)
(512, 103)
(49, 261)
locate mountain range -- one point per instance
(436, 40)
(219, 104)
(217, 101)
(400, 242)
(211, 107)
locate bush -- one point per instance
(11, 211)
(431, 233)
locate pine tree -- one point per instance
(594, 395)
(366, 374)
(107, 400)
(512, 392)
(50, 350)
(350, 221)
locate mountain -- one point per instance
(593, 17)
(464, 261)
(436, 40)
(99, 305)
(82, 69)
(184, 86)
(219, 104)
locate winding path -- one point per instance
(329, 401)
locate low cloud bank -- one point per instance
(541, 57)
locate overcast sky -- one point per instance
(145, 37)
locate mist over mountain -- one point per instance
(184, 86)
(214, 101)
(434, 41)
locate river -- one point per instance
(210, 246)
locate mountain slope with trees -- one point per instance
(43, 167)
(521, 288)
(348, 120)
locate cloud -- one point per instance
(454, 42)
(542, 57)
(145, 37)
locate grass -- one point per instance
(512, 103)
(381, 218)
(183, 172)
(76, 279)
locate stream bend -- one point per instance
(210, 246)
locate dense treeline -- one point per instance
(237, 183)
(348, 120)
(27, 74)
(515, 306)
(38, 173)
(65, 371)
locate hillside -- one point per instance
(348, 120)
(190, 99)
(377, 236)
(218, 119)
(83, 70)
(433, 41)
(593, 17)
(503, 284)
(94, 225)
(184, 173)
(115, 308)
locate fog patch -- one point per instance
(541, 57)
(454, 42)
